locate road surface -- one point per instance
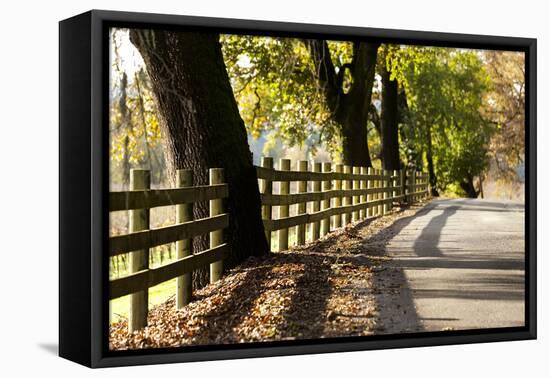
(462, 263)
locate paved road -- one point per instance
(463, 263)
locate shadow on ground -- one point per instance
(51, 348)
(393, 296)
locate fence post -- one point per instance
(382, 173)
(422, 182)
(355, 198)
(284, 188)
(375, 195)
(414, 183)
(184, 213)
(302, 188)
(140, 179)
(363, 198)
(386, 195)
(406, 187)
(370, 185)
(402, 185)
(379, 195)
(347, 199)
(419, 179)
(338, 199)
(395, 184)
(216, 237)
(325, 204)
(266, 187)
(315, 226)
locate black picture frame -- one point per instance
(83, 181)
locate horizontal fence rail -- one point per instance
(155, 237)
(140, 238)
(145, 279)
(289, 199)
(328, 196)
(274, 175)
(142, 199)
(277, 224)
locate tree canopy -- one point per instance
(445, 95)
(458, 113)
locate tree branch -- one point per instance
(374, 117)
(324, 70)
(340, 75)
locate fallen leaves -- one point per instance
(324, 289)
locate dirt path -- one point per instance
(342, 285)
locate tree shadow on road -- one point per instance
(426, 244)
(473, 272)
(393, 296)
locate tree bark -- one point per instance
(481, 194)
(355, 141)
(348, 110)
(203, 129)
(126, 163)
(126, 126)
(389, 122)
(429, 157)
(468, 186)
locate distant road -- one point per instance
(463, 261)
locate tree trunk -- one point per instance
(349, 110)
(429, 158)
(203, 129)
(355, 142)
(407, 131)
(468, 186)
(126, 163)
(481, 194)
(389, 122)
(126, 127)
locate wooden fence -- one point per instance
(140, 238)
(325, 197)
(338, 194)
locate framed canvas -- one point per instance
(235, 188)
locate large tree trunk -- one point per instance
(468, 186)
(349, 110)
(203, 129)
(429, 157)
(354, 143)
(389, 122)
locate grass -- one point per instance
(120, 307)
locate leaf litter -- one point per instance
(339, 286)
